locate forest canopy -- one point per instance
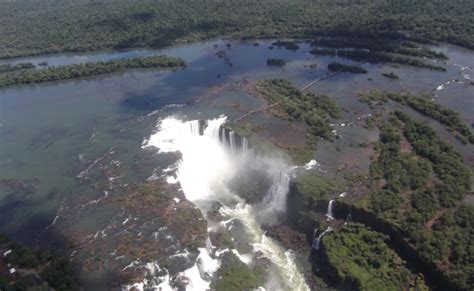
(30, 27)
(87, 69)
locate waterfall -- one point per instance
(275, 199)
(245, 144)
(317, 240)
(195, 127)
(211, 156)
(232, 140)
(329, 217)
(315, 234)
(330, 213)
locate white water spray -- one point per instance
(330, 212)
(317, 240)
(211, 157)
(329, 217)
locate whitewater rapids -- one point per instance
(209, 161)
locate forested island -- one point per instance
(58, 26)
(425, 106)
(16, 76)
(316, 111)
(374, 56)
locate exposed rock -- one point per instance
(288, 237)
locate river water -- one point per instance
(53, 134)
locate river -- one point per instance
(53, 135)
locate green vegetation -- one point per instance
(49, 267)
(315, 187)
(275, 62)
(288, 44)
(35, 27)
(377, 56)
(374, 56)
(400, 172)
(236, 275)
(451, 240)
(21, 66)
(408, 48)
(312, 109)
(308, 197)
(390, 75)
(323, 52)
(416, 193)
(338, 67)
(419, 190)
(425, 106)
(359, 259)
(448, 164)
(378, 50)
(87, 70)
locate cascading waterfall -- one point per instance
(232, 140)
(212, 155)
(245, 145)
(275, 199)
(317, 240)
(329, 217)
(330, 213)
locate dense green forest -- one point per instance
(359, 259)
(35, 26)
(86, 70)
(50, 268)
(419, 191)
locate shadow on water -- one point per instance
(178, 87)
(22, 230)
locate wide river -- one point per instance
(52, 134)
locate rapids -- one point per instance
(211, 157)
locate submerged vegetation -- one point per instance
(338, 67)
(275, 62)
(359, 259)
(87, 70)
(288, 44)
(313, 109)
(35, 27)
(390, 75)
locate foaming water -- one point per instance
(210, 159)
